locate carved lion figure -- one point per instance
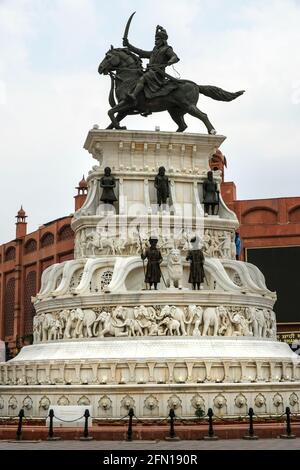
(175, 269)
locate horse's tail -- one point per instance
(218, 94)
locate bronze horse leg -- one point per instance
(194, 111)
(118, 118)
(123, 108)
(178, 116)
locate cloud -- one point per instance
(51, 94)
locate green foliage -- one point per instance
(199, 412)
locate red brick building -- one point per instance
(22, 262)
(270, 231)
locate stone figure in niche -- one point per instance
(108, 183)
(154, 257)
(211, 198)
(196, 258)
(161, 183)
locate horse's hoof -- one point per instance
(213, 131)
(123, 128)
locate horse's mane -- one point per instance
(127, 52)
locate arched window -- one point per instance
(30, 290)
(9, 305)
(30, 246)
(47, 239)
(294, 215)
(10, 253)
(65, 233)
(259, 215)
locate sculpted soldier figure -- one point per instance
(196, 257)
(210, 194)
(154, 78)
(161, 183)
(153, 255)
(108, 182)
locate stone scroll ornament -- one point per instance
(153, 90)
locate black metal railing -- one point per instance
(210, 419)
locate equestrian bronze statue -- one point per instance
(153, 90)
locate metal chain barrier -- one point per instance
(68, 421)
(210, 418)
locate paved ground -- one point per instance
(234, 444)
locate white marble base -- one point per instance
(155, 348)
(152, 374)
(151, 401)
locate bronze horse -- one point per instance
(178, 102)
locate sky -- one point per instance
(51, 93)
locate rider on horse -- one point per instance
(139, 92)
(153, 81)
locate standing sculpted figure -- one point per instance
(196, 257)
(108, 183)
(162, 185)
(154, 257)
(210, 194)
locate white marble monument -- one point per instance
(102, 339)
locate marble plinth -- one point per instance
(102, 340)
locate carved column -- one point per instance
(171, 366)
(151, 366)
(189, 366)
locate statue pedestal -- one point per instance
(102, 339)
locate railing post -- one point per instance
(172, 430)
(20, 423)
(51, 436)
(129, 430)
(172, 435)
(250, 435)
(86, 436)
(288, 434)
(211, 433)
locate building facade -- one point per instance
(22, 262)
